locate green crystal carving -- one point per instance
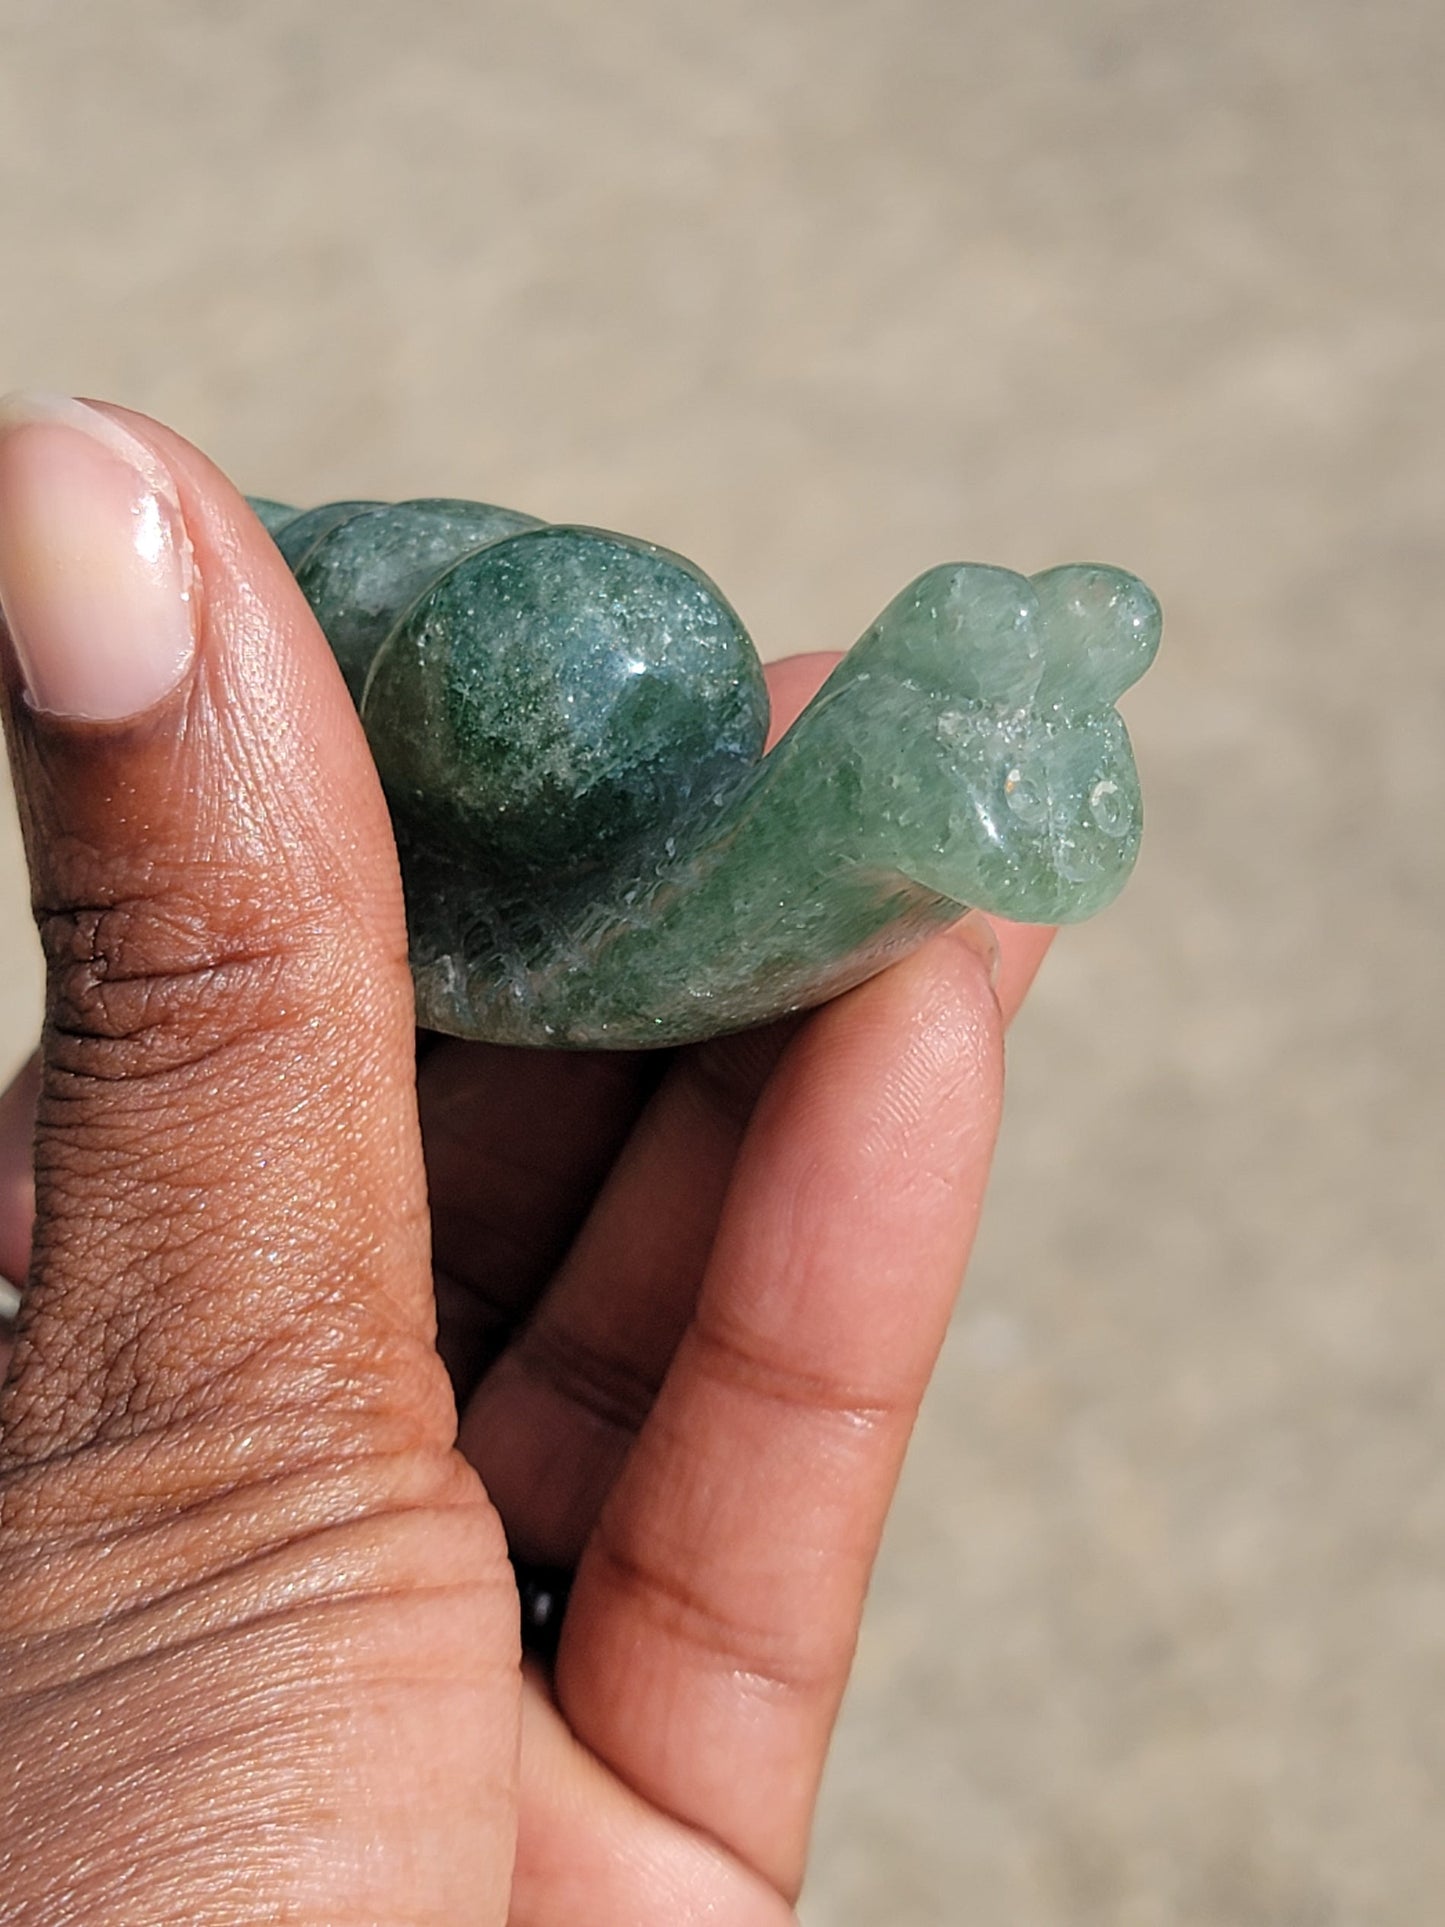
(569, 727)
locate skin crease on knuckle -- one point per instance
(146, 1196)
(149, 958)
(142, 1190)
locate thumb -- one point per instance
(229, 1195)
(240, 1558)
(17, 1195)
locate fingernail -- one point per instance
(9, 1301)
(978, 933)
(96, 570)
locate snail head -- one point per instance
(1003, 775)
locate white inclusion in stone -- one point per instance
(1107, 808)
(1025, 798)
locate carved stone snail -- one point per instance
(569, 728)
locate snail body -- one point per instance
(569, 727)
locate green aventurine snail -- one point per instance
(569, 727)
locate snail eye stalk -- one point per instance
(569, 727)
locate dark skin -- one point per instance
(258, 1626)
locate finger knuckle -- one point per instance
(145, 986)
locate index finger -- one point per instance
(713, 1619)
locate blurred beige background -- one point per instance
(821, 294)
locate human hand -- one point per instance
(258, 1628)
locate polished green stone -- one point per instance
(303, 532)
(367, 566)
(569, 725)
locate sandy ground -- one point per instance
(820, 294)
